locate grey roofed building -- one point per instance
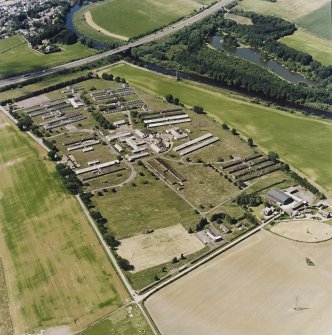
(280, 197)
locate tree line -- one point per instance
(187, 51)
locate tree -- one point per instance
(25, 123)
(169, 98)
(273, 156)
(174, 260)
(225, 126)
(250, 142)
(234, 132)
(202, 223)
(198, 110)
(190, 231)
(125, 264)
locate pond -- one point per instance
(254, 56)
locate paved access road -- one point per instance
(144, 40)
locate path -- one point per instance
(94, 25)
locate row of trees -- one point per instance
(101, 119)
(48, 89)
(187, 50)
(108, 237)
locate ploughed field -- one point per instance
(261, 286)
(56, 271)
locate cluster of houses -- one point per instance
(294, 202)
(15, 19)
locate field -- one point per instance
(126, 321)
(147, 203)
(319, 48)
(293, 137)
(229, 294)
(312, 16)
(56, 271)
(148, 250)
(6, 327)
(319, 21)
(17, 57)
(304, 230)
(129, 18)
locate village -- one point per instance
(132, 151)
(26, 17)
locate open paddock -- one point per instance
(204, 186)
(148, 250)
(17, 57)
(304, 230)
(143, 203)
(261, 286)
(109, 180)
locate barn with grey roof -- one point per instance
(279, 197)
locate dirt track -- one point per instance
(252, 289)
(93, 25)
(304, 230)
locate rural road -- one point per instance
(144, 296)
(111, 256)
(144, 40)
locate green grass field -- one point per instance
(319, 21)
(312, 16)
(320, 49)
(303, 142)
(134, 208)
(56, 271)
(17, 57)
(130, 18)
(127, 321)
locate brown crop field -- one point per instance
(261, 286)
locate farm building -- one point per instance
(279, 197)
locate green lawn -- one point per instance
(320, 49)
(130, 17)
(313, 16)
(17, 57)
(303, 142)
(56, 271)
(127, 321)
(318, 22)
(134, 208)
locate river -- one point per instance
(254, 56)
(70, 26)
